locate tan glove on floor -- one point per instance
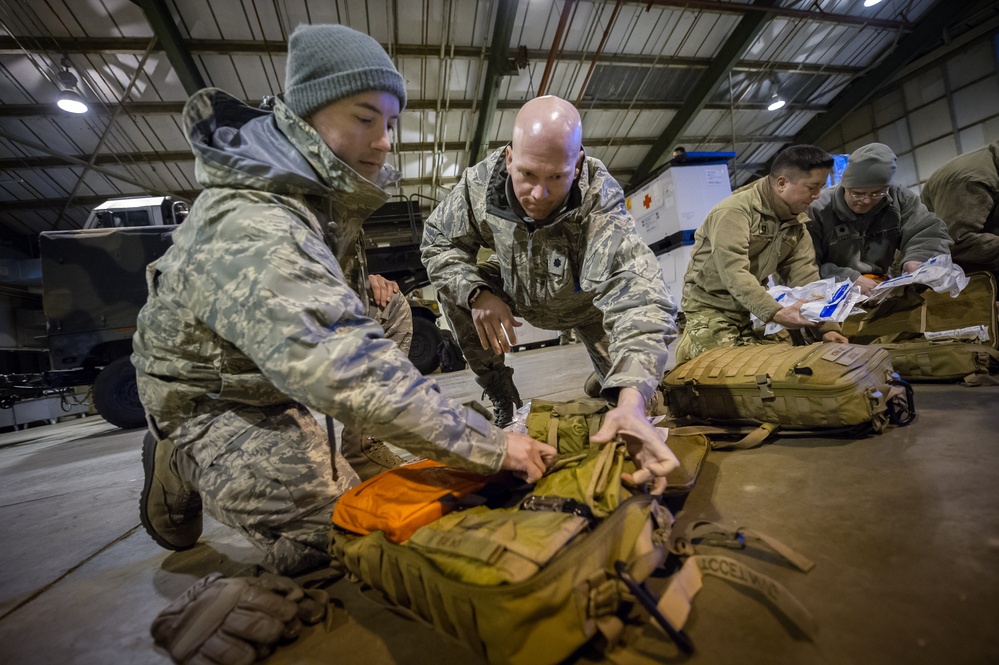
(235, 620)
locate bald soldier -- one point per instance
(565, 255)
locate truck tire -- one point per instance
(426, 340)
(116, 395)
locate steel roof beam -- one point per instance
(738, 8)
(742, 37)
(166, 31)
(175, 108)
(127, 45)
(132, 158)
(76, 161)
(933, 22)
(87, 201)
(498, 65)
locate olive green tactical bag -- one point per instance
(530, 577)
(899, 324)
(523, 586)
(844, 387)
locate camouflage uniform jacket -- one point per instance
(741, 243)
(848, 245)
(250, 308)
(965, 194)
(589, 256)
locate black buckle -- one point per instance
(901, 411)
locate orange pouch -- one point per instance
(401, 500)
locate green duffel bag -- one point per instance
(900, 324)
(526, 584)
(965, 362)
(569, 425)
(844, 387)
(531, 576)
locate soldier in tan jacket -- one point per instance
(754, 233)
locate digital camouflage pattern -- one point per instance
(249, 314)
(848, 245)
(484, 362)
(711, 329)
(588, 269)
(964, 192)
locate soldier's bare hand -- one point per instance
(911, 266)
(866, 284)
(382, 289)
(790, 317)
(527, 458)
(834, 337)
(645, 443)
(494, 322)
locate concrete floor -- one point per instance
(904, 529)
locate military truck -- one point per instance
(93, 285)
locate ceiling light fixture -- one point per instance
(871, 3)
(69, 99)
(776, 103)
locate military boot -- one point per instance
(367, 457)
(170, 506)
(499, 388)
(592, 386)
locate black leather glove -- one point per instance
(236, 620)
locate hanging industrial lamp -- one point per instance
(776, 102)
(69, 99)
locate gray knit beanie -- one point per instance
(330, 62)
(870, 166)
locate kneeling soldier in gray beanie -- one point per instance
(858, 225)
(261, 314)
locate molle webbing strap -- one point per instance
(713, 533)
(753, 436)
(675, 602)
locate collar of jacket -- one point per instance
(352, 198)
(500, 201)
(236, 145)
(843, 212)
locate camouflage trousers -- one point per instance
(590, 330)
(710, 329)
(277, 481)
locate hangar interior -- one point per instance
(904, 527)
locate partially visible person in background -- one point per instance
(964, 192)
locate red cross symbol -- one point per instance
(647, 201)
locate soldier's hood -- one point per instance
(236, 145)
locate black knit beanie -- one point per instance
(327, 63)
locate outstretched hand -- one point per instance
(645, 443)
(494, 322)
(790, 317)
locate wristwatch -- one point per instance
(476, 292)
